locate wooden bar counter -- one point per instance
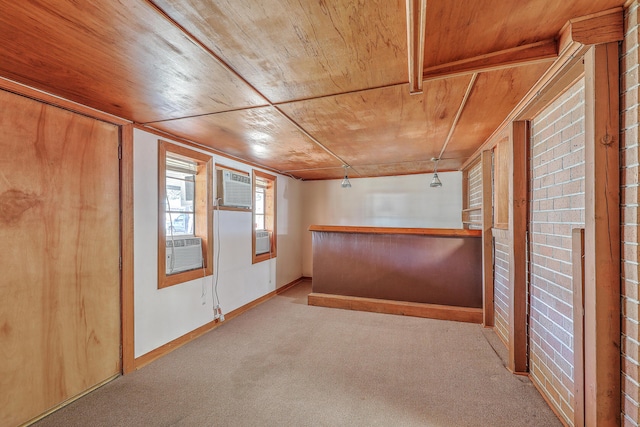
(423, 272)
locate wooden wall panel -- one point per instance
(60, 287)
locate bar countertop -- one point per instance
(440, 232)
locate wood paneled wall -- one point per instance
(59, 224)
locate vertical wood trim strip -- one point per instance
(517, 258)
(577, 255)
(488, 319)
(126, 248)
(465, 198)
(602, 236)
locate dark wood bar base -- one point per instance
(441, 267)
(431, 311)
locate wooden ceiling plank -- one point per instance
(292, 49)
(204, 47)
(416, 25)
(463, 103)
(308, 135)
(532, 53)
(383, 126)
(597, 28)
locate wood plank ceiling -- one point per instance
(299, 87)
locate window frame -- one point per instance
(203, 213)
(270, 215)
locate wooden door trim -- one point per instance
(126, 250)
(518, 225)
(488, 278)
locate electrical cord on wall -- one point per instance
(217, 311)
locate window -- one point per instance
(264, 216)
(185, 221)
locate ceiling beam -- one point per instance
(416, 26)
(528, 54)
(597, 28)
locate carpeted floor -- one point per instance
(284, 363)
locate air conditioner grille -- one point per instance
(183, 254)
(263, 242)
(236, 189)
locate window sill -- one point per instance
(263, 257)
(182, 277)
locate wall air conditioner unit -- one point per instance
(184, 253)
(234, 189)
(263, 242)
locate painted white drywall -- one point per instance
(397, 201)
(162, 315)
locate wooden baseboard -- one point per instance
(149, 357)
(431, 311)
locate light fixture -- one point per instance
(345, 182)
(435, 181)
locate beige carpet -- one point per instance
(288, 364)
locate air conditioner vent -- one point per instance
(263, 241)
(183, 254)
(234, 189)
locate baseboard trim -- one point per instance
(149, 357)
(431, 311)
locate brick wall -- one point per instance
(501, 284)
(629, 213)
(557, 206)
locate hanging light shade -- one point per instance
(435, 181)
(345, 182)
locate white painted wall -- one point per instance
(398, 201)
(162, 315)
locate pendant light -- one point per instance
(345, 182)
(435, 181)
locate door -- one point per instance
(59, 256)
